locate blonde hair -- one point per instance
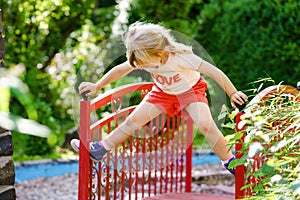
(145, 40)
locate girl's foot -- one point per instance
(97, 150)
(226, 165)
(75, 144)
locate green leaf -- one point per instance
(223, 113)
(4, 98)
(26, 126)
(233, 114)
(229, 125)
(259, 187)
(238, 162)
(266, 168)
(21, 92)
(238, 135)
(52, 140)
(247, 186)
(295, 186)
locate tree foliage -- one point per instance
(44, 36)
(249, 39)
(62, 43)
(175, 14)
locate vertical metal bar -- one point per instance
(162, 144)
(100, 168)
(93, 165)
(123, 177)
(182, 151)
(156, 155)
(115, 169)
(84, 158)
(108, 168)
(130, 167)
(167, 154)
(124, 148)
(172, 153)
(137, 167)
(177, 154)
(189, 155)
(143, 160)
(150, 156)
(2, 43)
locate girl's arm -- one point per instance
(112, 75)
(219, 76)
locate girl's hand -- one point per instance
(88, 87)
(238, 98)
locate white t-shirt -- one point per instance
(179, 74)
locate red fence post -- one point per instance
(84, 158)
(240, 170)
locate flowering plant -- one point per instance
(270, 137)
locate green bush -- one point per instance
(247, 39)
(39, 35)
(250, 39)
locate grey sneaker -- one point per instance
(97, 151)
(226, 165)
(75, 144)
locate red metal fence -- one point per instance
(242, 178)
(156, 159)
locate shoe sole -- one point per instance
(94, 160)
(75, 144)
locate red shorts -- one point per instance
(173, 104)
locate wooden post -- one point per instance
(2, 47)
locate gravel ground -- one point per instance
(54, 188)
(210, 179)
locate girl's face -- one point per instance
(155, 61)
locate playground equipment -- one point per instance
(156, 161)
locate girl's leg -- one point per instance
(142, 114)
(201, 116)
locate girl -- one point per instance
(177, 85)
